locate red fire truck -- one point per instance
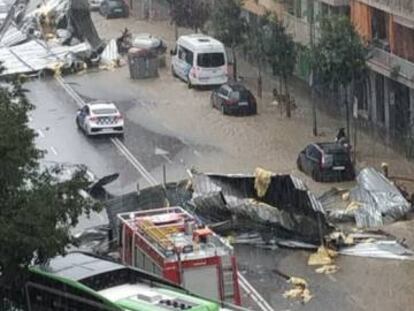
(172, 243)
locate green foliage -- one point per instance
(189, 13)
(339, 57)
(280, 50)
(255, 45)
(36, 210)
(227, 24)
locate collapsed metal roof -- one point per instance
(230, 202)
(34, 56)
(25, 44)
(380, 201)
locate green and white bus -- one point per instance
(83, 282)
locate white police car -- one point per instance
(98, 118)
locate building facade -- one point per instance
(387, 27)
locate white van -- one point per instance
(199, 60)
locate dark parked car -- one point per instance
(233, 98)
(326, 162)
(114, 8)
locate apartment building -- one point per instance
(388, 28)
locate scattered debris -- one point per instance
(287, 210)
(300, 290)
(385, 249)
(262, 181)
(57, 36)
(372, 203)
(110, 57)
(327, 269)
(323, 256)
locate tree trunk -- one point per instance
(347, 114)
(259, 82)
(176, 31)
(288, 108)
(233, 52)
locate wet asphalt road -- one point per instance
(361, 284)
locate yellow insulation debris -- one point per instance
(262, 181)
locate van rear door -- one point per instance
(211, 65)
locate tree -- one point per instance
(189, 13)
(229, 26)
(254, 46)
(280, 52)
(339, 58)
(36, 211)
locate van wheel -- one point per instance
(316, 176)
(190, 86)
(78, 124)
(173, 72)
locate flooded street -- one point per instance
(163, 114)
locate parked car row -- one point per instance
(110, 8)
(200, 60)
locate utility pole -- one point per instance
(312, 45)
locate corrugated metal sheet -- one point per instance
(13, 36)
(34, 56)
(379, 249)
(380, 200)
(287, 207)
(110, 55)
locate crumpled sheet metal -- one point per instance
(110, 56)
(287, 206)
(385, 249)
(34, 56)
(381, 202)
(12, 36)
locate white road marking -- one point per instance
(41, 133)
(260, 301)
(54, 150)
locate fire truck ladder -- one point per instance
(227, 278)
(159, 235)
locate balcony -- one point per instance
(392, 66)
(297, 27)
(336, 2)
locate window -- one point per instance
(379, 25)
(313, 153)
(223, 91)
(186, 55)
(105, 111)
(209, 60)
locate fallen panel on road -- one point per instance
(374, 202)
(34, 56)
(385, 249)
(287, 209)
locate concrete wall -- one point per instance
(403, 8)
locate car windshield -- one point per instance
(240, 95)
(104, 111)
(208, 60)
(114, 3)
(340, 158)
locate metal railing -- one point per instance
(393, 63)
(300, 28)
